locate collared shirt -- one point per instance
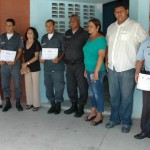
(56, 41)
(13, 44)
(123, 43)
(144, 53)
(74, 44)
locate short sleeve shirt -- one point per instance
(30, 53)
(144, 53)
(91, 50)
(56, 41)
(13, 44)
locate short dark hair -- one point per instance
(121, 4)
(11, 20)
(50, 20)
(35, 33)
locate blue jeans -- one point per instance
(121, 88)
(96, 87)
(54, 83)
(8, 71)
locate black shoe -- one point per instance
(89, 119)
(29, 106)
(8, 105)
(95, 123)
(57, 108)
(126, 129)
(142, 135)
(111, 124)
(72, 109)
(18, 105)
(1, 106)
(35, 108)
(52, 108)
(80, 111)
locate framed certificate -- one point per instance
(49, 53)
(143, 82)
(7, 55)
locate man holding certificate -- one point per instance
(52, 54)
(11, 46)
(143, 57)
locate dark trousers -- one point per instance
(54, 84)
(145, 119)
(8, 72)
(77, 82)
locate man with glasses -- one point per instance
(123, 39)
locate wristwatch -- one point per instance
(28, 63)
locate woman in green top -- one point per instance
(94, 53)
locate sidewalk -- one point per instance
(30, 130)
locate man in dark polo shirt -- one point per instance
(11, 41)
(75, 39)
(54, 69)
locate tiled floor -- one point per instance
(30, 130)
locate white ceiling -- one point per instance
(88, 1)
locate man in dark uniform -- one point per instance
(75, 39)
(11, 41)
(54, 69)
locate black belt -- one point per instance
(73, 62)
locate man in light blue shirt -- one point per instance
(143, 57)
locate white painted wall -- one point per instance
(139, 11)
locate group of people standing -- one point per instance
(83, 53)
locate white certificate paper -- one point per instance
(49, 53)
(143, 82)
(7, 55)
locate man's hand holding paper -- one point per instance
(143, 82)
(8, 56)
(49, 53)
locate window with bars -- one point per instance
(60, 12)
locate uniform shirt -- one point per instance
(144, 53)
(74, 44)
(30, 53)
(91, 50)
(56, 41)
(13, 44)
(123, 43)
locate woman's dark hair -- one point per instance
(11, 20)
(97, 23)
(35, 33)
